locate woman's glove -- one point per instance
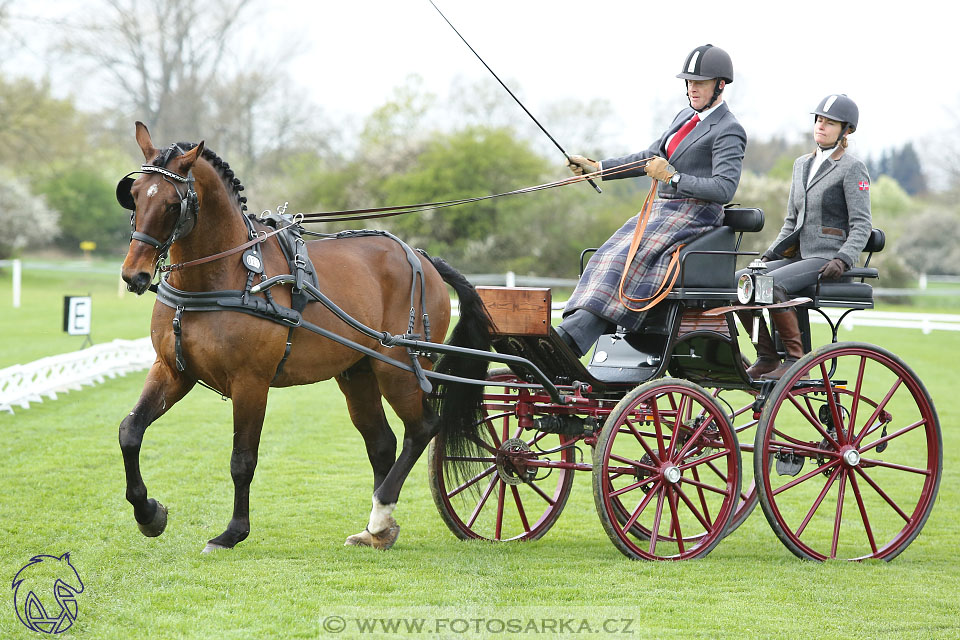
(833, 269)
(659, 169)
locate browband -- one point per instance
(149, 168)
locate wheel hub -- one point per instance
(851, 457)
(671, 474)
(512, 462)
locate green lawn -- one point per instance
(35, 329)
(62, 489)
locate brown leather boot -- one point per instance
(789, 330)
(767, 357)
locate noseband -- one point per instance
(189, 203)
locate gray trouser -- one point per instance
(792, 275)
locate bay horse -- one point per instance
(238, 354)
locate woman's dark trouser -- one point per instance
(792, 275)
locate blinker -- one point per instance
(124, 197)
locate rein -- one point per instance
(382, 212)
(385, 212)
(223, 254)
(673, 269)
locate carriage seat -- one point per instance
(708, 265)
(703, 266)
(850, 291)
(703, 269)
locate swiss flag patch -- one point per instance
(864, 185)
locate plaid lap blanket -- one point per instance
(671, 222)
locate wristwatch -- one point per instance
(675, 180)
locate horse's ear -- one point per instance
(185, 162)
(146, 144)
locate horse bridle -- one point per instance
(189, 203)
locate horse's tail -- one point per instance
(458, 405)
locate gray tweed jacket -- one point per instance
(709, 159)
(830, 218)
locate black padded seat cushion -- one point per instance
(853, 291)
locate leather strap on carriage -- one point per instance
(673, 269)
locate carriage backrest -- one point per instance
(876, 241)
(709, 262)
(742, 219)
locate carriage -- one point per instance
(843, 453)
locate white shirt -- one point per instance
(818, 160)
(703, 116)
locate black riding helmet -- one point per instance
(706, 62)
(839, 108)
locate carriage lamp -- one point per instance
(745, 288)
(755, 286)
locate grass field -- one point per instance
(62, 489)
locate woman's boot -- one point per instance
(788, 328)
(768, 359)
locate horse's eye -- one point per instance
(173, 208)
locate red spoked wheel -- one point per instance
(666, 476)
(504, 497)
(740, 411)
(853, 455)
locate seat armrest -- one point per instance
(861, 272)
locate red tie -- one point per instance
(682, 133)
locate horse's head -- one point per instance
(163, 207)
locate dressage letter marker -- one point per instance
(76, 315)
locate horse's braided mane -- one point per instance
(222, 167)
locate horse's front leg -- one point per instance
(161, 391)
(249, 406)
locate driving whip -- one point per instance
(527, 111)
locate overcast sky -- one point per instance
(897, 60)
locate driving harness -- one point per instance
(302, 274)
(305, 287)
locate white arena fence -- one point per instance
(925, 322)
(45, 378)
(22, 384)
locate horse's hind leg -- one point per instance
(420, 425)
(360, 388)
(160, 392)
(249, 406)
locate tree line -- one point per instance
(59, 162)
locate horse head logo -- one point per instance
(43, 581)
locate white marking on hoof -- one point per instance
(211, 547)
(381, 516)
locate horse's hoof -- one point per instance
(156, 526)
(213, 546)
(382, 540)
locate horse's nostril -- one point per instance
(138, 283)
